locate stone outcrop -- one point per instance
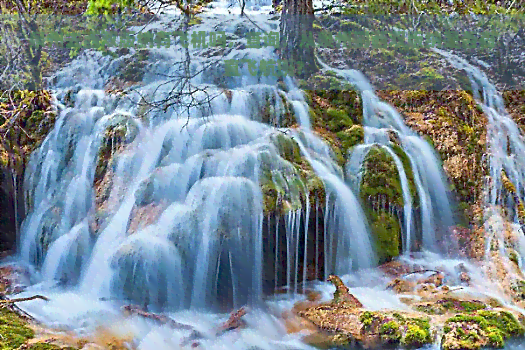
(440, 317)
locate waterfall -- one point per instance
(209, 204)
(380, 119)
(167, 208)
(505, 149)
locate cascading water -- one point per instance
(380, 120)
(505, 147)
(180, 209)
(198, 174)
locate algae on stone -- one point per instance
(481, 329)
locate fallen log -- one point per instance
(235, 321)
(17, 300)
(161, 319)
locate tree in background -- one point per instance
(297, 44)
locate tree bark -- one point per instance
(296, 37)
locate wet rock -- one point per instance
(518, 290)
(435, 279)
(92, 346)
(395, 268)
(400, 285)
(446, 305)
(465, 278)
(342, 293)
(481, 329)
(142, 216)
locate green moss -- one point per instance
(367, 318)
(381, 180)
(386, 233)
(390, 332)
(316, 189)
(430, 7)
(338, 119)
(497, 326)
(399, 317)
(13, 330)
(415, 337)
(445, 305)
(290, 186)
(504, 321)
(288, 148)
(495, 337)
(350, 137)
(396, 328)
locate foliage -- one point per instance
(97, 7)
(26, 117)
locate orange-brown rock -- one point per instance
(342, 293)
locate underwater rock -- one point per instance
(395, 268)
(422, 284)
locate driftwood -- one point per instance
(161, 319)
(454, 290)
(435, 272)
(234, 322)
(16, 300)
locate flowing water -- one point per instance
(180, 221)
(380, 121)
(505, 149)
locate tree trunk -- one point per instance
(296, 38)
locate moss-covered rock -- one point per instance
(288, 182)
(131, 70)
(457, 128)
(343, 318)
(381, 183)
(336, 112)
(510, 190)
(386, 233)
(481, 329)
(13, 330)
(446, 305)
(342, 294)
(380, 329)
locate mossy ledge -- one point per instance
(456, 323)
(17, 333)
(481, 329)
(293, 184)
